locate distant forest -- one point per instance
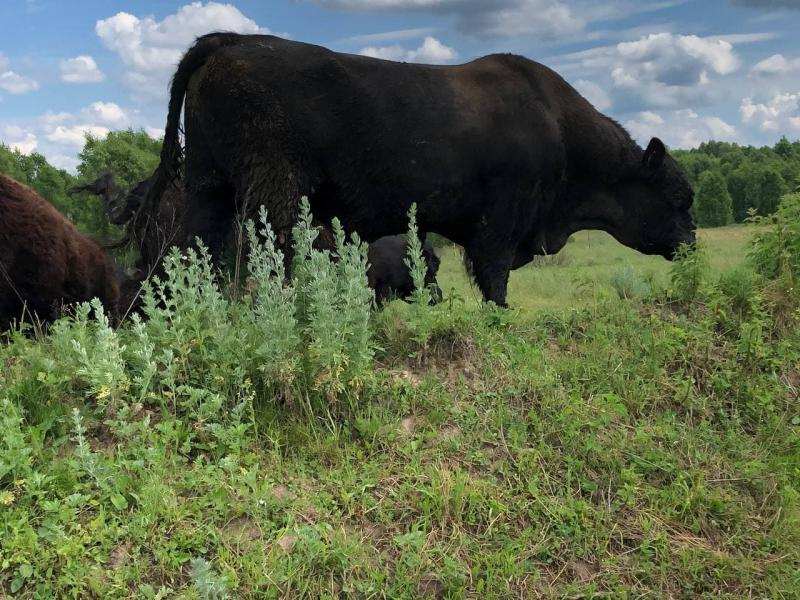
(730, 181)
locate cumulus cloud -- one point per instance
(680, 128)
(151, 49)
(548, 18)
(432, 51)
(777, 64)
(107, 113)
(594, 94)
(673, 60)
(779, 114)
(12, 82)
(81, 69)
(61, 135)
(64, 161)
(660, 70)
(75, 135)
(19, 139)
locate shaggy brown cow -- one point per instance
(45, 262)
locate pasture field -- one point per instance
(580, 446)
(584, 270)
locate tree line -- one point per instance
(130, 155)
(733, 181)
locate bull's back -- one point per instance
(331, 101)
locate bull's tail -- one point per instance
(171, 153)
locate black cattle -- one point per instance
(389, 275)
(155, 232)
(501, 154)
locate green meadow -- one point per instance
(586, 268)
(630, 429)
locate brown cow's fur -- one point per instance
(45, 262)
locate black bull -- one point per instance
(501, 154)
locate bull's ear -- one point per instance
(654, 155)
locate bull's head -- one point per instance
(651, 204)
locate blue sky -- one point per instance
(685, 70)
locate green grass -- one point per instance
(597, 448)
(583, 270)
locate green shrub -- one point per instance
(775, 251)
(689, 272)
(738, 287)
(631, 284)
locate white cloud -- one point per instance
(673, 60)
(50, 118)
(432, 51)
(777, 64)
(19, 139)
(60, 136)
(548, 18)
(107, 113)
(389, 36)
(151, 49)
(81, 69)
(63, 161)
(594, 94)
(75, 135)
(680, 128)
(155, 132)
(778, 115)
(11, 81)
(659, 70)
(14, 83)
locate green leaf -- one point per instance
(119, 501)
(16, 584)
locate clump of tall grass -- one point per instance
(201, 351)
(630, 284)
(333, 302)
(419, 329)
(689, 273)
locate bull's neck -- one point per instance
(598, 148)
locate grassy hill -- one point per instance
(581, 445)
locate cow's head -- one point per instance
(651, 205)
(118, 206)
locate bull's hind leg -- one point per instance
(209, 209)
(277, 184)
(209, 203)
(210, 214)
